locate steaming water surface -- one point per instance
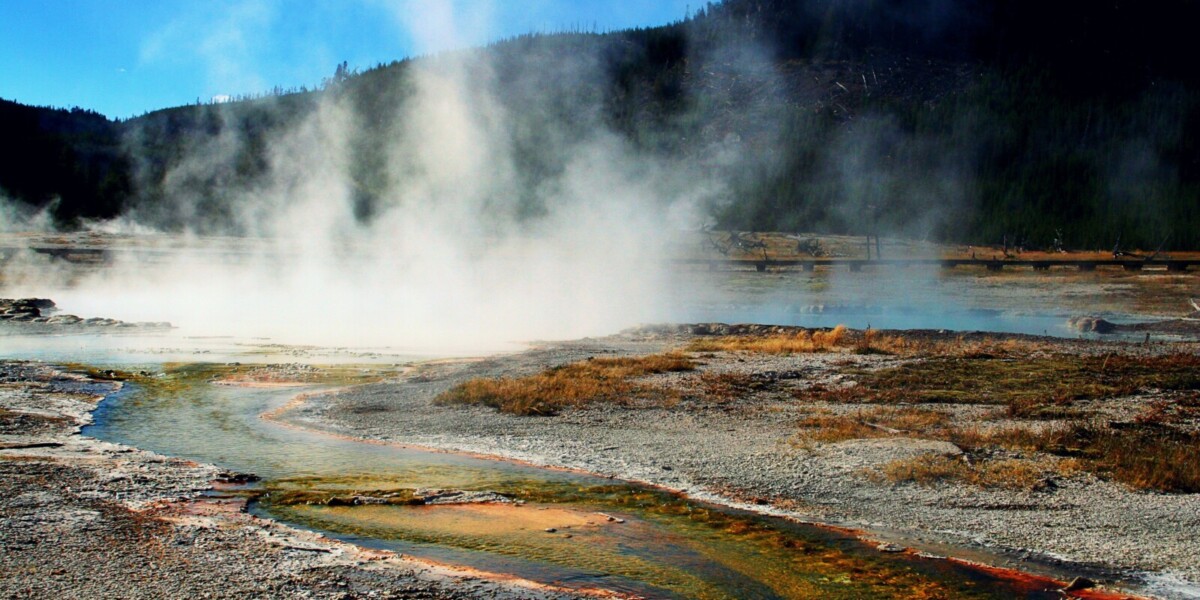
(907, 298)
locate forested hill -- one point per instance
(74, 156)
(961, 120)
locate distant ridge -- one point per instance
(978, 121)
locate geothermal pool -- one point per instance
(568, 529)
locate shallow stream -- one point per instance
(563, 528)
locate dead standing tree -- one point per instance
(872, 216)
(747, 242)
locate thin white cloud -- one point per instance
(221, 39)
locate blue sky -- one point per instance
(126, 57)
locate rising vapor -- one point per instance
(459, 251)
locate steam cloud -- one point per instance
(455, 255)
(464, 246)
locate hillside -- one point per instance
(71, 157)
(958, 120)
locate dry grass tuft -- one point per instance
(727, 387)
(876, 422)
(1160, 457)
(1179, 410)
(573, 385)
(1032, 387)
(871, 342)
(929, 470)
(1147, 458)
(801, 341)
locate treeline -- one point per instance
(68, 158)
(962, 120)
(959, 120)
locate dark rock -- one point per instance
(1045, 485)
(26, 306)
(1091, 325)
(236, 478)
(1079, 583)
(437, 496)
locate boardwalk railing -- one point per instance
(759, 264)
(856, 264)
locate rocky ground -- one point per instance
(82, 518)
(747, 450)
(23, 316)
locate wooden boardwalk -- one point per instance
(100, 255)
(857, 264)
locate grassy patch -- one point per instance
(841, 339)
(726, 387)
(1147, 460)
(1140, 456)
(1146, 457)
(573, 385)
(874, 422)
(1031, 387)
(1179, 410)
(800, 341)
(1006, 473)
